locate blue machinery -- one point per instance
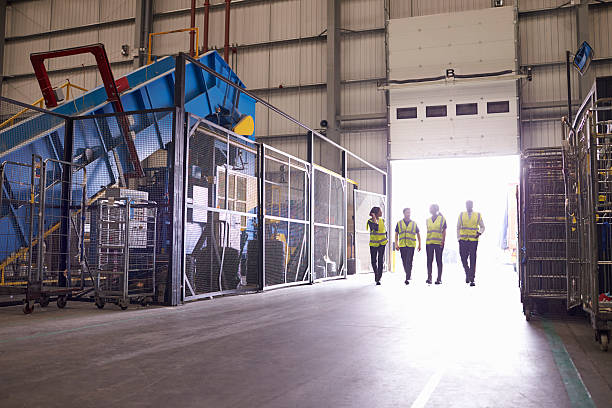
(97, 142)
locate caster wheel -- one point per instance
(603, 341)
(123, 304)
(61, 301)
(44, 301)
(100, 303)
(28, 307)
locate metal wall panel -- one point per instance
(545, 37)
(17, 56)
(362, 98)
(411, 8)
(363, 56)
(362, 14)
(601, 38)
(307, 105)
(72, 13)
(28, 17)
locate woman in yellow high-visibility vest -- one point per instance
(434, 245)
(378, 242)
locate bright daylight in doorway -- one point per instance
(490, 182)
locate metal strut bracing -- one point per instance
(98, 51)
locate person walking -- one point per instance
(378, 241)
(469, 228)
(406, 235)
(434, 245)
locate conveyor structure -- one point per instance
(98, 141)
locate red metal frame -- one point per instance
(98, 51)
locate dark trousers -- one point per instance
(432, 249)
(407, 256)
(377, 255)
(467, 249)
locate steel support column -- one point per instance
(328, 159)
(142, 28)
(66, 199)
(176, 186)
(2, 32)
(311, 186)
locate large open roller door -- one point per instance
(453, 85)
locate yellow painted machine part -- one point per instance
(22, 252)
(246, 126)
(181, 30)
(40, 102)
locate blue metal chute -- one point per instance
(150, 87)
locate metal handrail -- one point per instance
(181, 30)
(40, 102)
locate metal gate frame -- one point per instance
(343, 228)
(188, 291)
(307, 240)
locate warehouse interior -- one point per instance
(202, 203)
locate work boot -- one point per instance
(378, 283)
(428, 281)
(438, 282)
(407, 282)
(472, 284)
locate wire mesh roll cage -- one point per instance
(542, 274)
(588, 179)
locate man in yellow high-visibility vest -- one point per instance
(434, 245)
(406, 236)
(469, 227)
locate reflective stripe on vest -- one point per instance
(407, 234)
(378, 238)
(435, 230)
(468, 229)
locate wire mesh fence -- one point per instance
(100, 146)
(330, 239)
(222, 204)
(286, 219)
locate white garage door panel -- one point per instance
(469, 42)
(473, 42)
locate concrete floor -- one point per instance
(336, 344)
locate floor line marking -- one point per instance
(577, 392)
(430, 387)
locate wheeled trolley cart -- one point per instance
(122, 250)
(542, 270)
(42, 203)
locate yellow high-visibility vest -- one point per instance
(468, 228)
(435, 230)
(378, 237)
(407, 234)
